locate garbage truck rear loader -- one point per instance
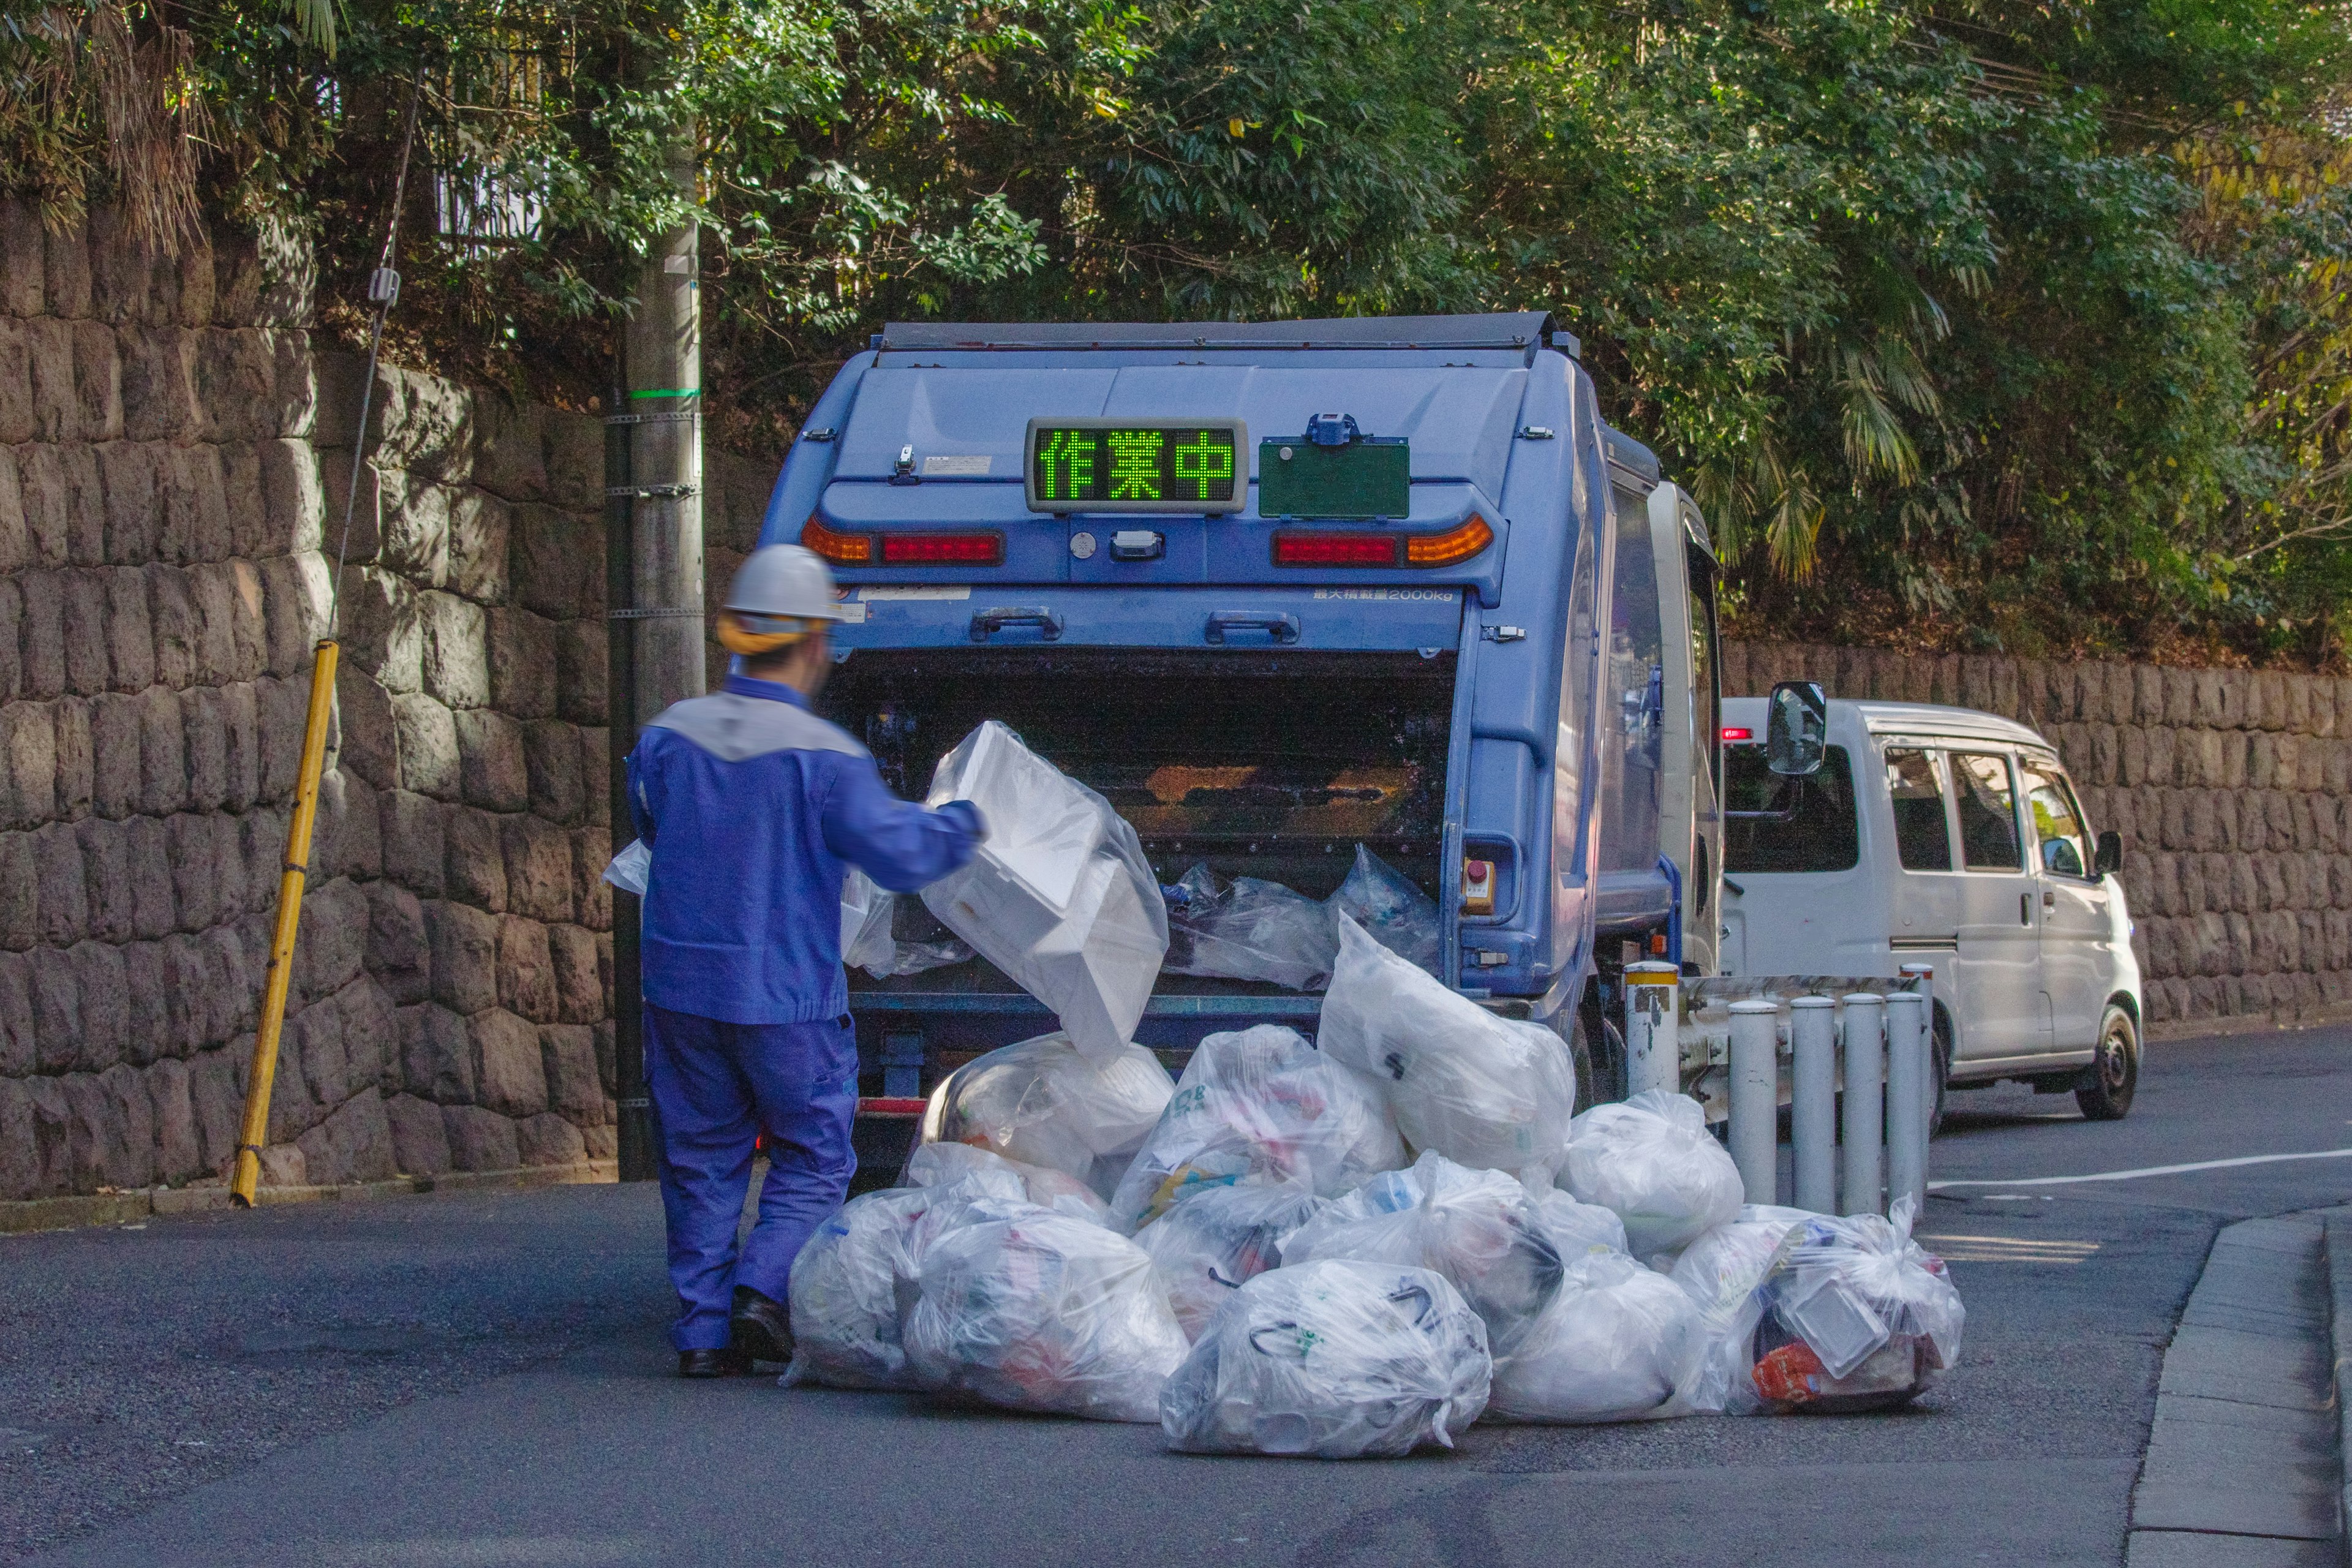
(1278, 591)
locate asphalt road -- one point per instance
(471, 1378)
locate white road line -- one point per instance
(2148, 1170)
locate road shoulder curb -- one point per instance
(21, 1217)
(2244, 1466)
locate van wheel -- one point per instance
(2113, 1076)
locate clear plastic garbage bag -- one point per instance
(1043, 1311)
(1652, 1159)
(1575, 1229)
(1618, 1343)
(1261, 1105)
(938, 1164)
(1249, 930)
(1858, 1316)
(1724, 1274)
(844, 1288)
(868, 921)
(1477, 1229)
(1058, 894)
(1393, 911)
(1042, 1102)
(1214, 1239)
(1480, 1089)
(1339, 1359)
(628, 870)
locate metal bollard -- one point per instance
(1866, 1079)
(1653, 1042)
(1812, 1103)
(1906, 1116)
(1923, 980)
(1756, 1097)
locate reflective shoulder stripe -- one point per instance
(734, 728)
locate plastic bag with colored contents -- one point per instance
(1213, 1240)
(1043, 1102)
(1857, 1317)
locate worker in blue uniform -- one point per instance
(752, 808)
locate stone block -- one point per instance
(2162, 767)
(19, 1045)
(159, 376)
(556, 562)
(53, 987)
(476, 862)
(427, 425)
(132, 512)
(491, 767)
(33, 1141)
(146, 978)
(28, 763)
(62, 895)
(592, 850)
(425, 735)
(312, 1071)
(353, 1145)
(100, 977)
(552, 756)
(218, 1102)
(595, 773)
(20, 907)
(49, 354)
(509, 448)
(240, 720)
(549, 1139)
(575, 465)
(480, 526)
(235, 374)
(420, 1140)
(370, 1035)
(179, 1156)
(106, 877)
(480, 1140)
(580, 671)
(130, 1163)
(382, 629)
(194, 854)
(2135, 764)
(213, 588)
(294, 502)
(119, 622)
(115, 781)
(15, 531)
(333, 943)
(607, 1044)
(154, 899)
(17, 423)
(367, 733)
(41, 669)
(455, 662)
(173, 615)
(414, 853)
(509, 1075)
(577, 969)
(602, 1142)
(349, 826)
(568, 1052)
(193, 491)
(540, 869)
(205, 734)
(281, 708)
(526, 973)
(71, 715)
(437, 1055)
(22, 234)
(398, 953)
(521, 660)
(413, 519)
(295, 590)
(89, 669)
(464, 955)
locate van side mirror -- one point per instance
(2108, 855)
(1796, 728)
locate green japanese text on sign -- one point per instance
(1113, 468)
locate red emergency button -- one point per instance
(1477, 886)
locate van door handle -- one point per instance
(2025, 908)
(1279, 625)
(989, 622)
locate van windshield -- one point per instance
(1775, 824)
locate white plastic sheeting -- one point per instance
(868, 915)
(1338, 1358)
(1261, 1105)
(1392, 910)
(1058, 894)
(1043, 1311)
(1483, 1090)
(1042, 1102)
(1652, 1159)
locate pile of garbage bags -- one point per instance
(1348, 1246)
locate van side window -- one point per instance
(1988, 812)
(2057, 823)
(1774, 823)
(1922, 837)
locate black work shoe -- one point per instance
(762, 1326)
(726, 1362)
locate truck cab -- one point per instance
(1275, 591)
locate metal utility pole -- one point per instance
(653, 518)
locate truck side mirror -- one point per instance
(2108, 855)
(1796, 728)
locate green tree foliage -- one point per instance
(1972, 323)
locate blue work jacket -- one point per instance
(754, 808)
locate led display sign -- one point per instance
(1139, 466)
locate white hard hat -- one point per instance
(783, 583)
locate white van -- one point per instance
(1947, 837)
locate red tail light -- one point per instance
(974, 548)
(1737, 732)
(1297, 547)
(846, 548)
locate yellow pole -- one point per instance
(290, 917)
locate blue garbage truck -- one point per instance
(1277, 590)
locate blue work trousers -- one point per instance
(715, 1087)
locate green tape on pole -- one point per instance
(670, 392)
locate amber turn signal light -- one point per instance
(846, 549)
(1455, 544)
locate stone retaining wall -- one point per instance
(2230, 788)
(173, 460)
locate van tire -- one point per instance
(2113, 1076)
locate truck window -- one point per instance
(1775, 824)
(1988, 812)
(1923, 839)
(1636, 655)
(1706, 691)
(2065, 847)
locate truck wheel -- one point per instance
(2113, 1076)
(1569, 1024)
